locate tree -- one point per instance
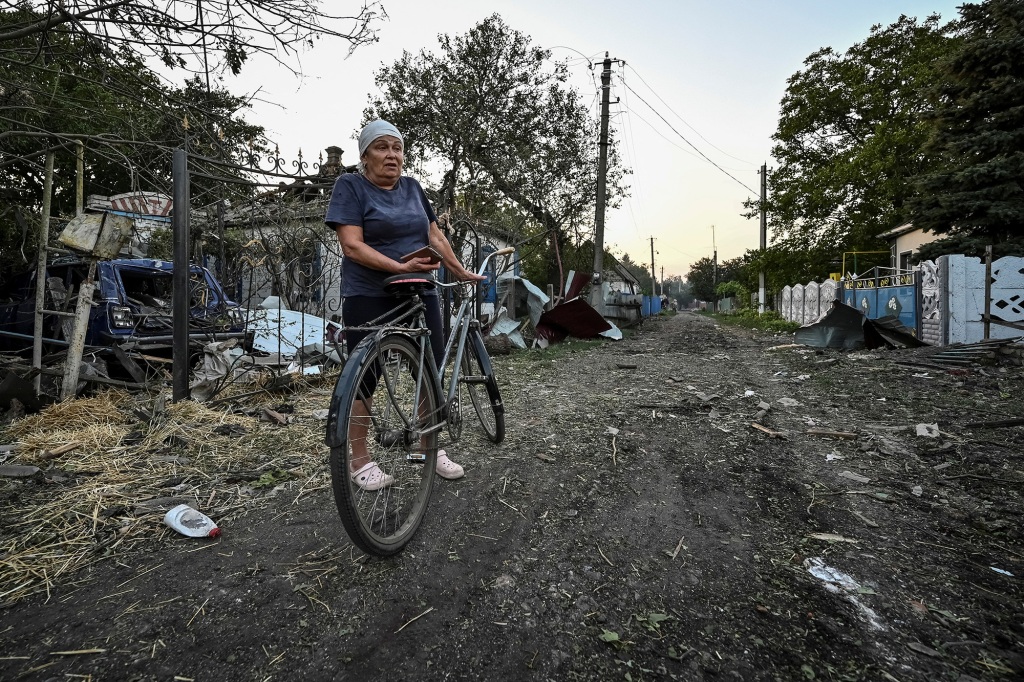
(702, 279)
(734, 289)
(641, 272)
(128, 118)
(490, 114)
(850, 135)
(976, 195)
(204, 35)
(76, 70)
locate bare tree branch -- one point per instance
(178, 32)
(60, 16)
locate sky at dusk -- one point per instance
(697, 74)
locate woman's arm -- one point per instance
(352, 246)
(451, 262)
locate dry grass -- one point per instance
(133, 461)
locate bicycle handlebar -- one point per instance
(483, 266)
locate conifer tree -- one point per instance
(977, 195)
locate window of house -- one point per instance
(905, 260)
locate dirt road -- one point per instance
(634, 525)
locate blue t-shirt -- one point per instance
(394, 221)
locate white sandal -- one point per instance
(370, 477)
(446, 468)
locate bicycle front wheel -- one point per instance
(478, 377)
(383, 440)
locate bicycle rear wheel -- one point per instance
(383, 409)
(478, 377)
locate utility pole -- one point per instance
(654, 281)
(596, 297)
(714, 270)
(662, 280)
(764, 238)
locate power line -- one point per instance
(630, 150)
(660, 99)
(683, 137)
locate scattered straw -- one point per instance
(95, 505)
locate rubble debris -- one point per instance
(765, 429)
(505, 327)
(19, 471)
(964, 355)
(846, 327)
(274, 417)
(57, 452)
(14, 387)
(833, 434)
(287, 332)
(572, 318)
(855, 477)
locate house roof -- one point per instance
(898, 231)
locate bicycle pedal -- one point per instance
(416, 457)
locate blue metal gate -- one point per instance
(880, 295)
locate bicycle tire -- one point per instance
(382, 522)
(478, 376)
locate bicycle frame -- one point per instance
(412, 323)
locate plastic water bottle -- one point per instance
(190, 522)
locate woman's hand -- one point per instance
(414, 265)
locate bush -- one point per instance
(768, 321)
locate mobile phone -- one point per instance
(425, 252)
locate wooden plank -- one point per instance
(133, 368)
(98, 380)
(1003, 323)
(997, 424)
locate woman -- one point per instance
(379, 216)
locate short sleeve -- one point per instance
(431, 216)
(346, 206)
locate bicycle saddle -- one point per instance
(406, 285)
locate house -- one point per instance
(904, 241)
(623, 300)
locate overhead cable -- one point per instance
(710, 144)
(683, 137)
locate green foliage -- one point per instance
(272, 479)
(702, 279)
(969, 245)
(768, 321)
(161, 244)
(850, 135)
(734, 289)
(490, 109)
(978, 131)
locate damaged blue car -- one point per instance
(131, 306)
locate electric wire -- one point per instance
(660, 99)
(630, 149)
(683, 137)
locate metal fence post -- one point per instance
(181, 294)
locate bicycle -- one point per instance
(390, 403)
